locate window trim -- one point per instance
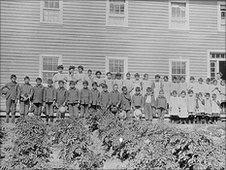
(117, 58)
(186, 27)
(41, 62)
(219, 27)
(108, 14)
(61, 13)
(209, 58)
(187, 67)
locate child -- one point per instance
(222, 92)
(89, 78)
(157, 85)
(207, 88)
(215, 108)
(38, 97)
(72, 100)
(200, 103)
(136, 83)
(183, 84)
(192, 84)
(215, 89)
(149, 104)
(115, 97)
(95, 96)
(24, 96)
(71, 75)
(208, 107)
(59, 76)
(128, 82)
(85, 99)
(137, 102)
(200, 87)
(182, 104)
(118, 81)
(104, 98)
(61, 95)
(175, 85)
(80, 77)
(11, 96)
(145, 83)
(191, 106)
(161, 105)
(126, 101)
(173, 107)
(99, 80)
(49, 99)
(109, 81)
(166, 87)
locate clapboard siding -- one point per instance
(84, 38)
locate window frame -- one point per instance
(180, 60)
(219, 27)
(116, 58)
(217, 61)
(187, 25)
(107, 23)
(42, 2)
(41, 63)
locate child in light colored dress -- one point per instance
(80, 78)
(99, 80)
(192, 84)
(191, 106)
(175, 85)
(173, 107)
(109, 81)
(183, 84)
(200, 106)
(166, 87)
(182, 104)
(157, 85)
(118, 81)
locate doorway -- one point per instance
(222, 69)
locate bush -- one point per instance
(26, 145)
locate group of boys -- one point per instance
(126, 98)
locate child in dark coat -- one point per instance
(61, 95)
(85, 99)
(149, 104)
(161, 105)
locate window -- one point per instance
(49, 65)
(221, 15)
(215, 64)
(178, 14)
(116, 65)
(117, 13)
(179, 68)
(51, 11)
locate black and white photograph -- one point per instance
(113, 84)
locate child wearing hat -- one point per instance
(149, 104)
(72, 100)
(118, 81)
(80, 77)
(137, 102)
(109, 81)
(136, 83)
(95, 96)
(99, 80)
(85, 99)
(38, 97)
(145, 83)
(59, 76)
(128, 82)
(104, 99)
(24, 96)
(61, 96)
(11, 96)
(49, 99)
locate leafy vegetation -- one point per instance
(103, 141)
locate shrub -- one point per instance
(27, 145)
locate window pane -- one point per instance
(50, 63)
(51, 4)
